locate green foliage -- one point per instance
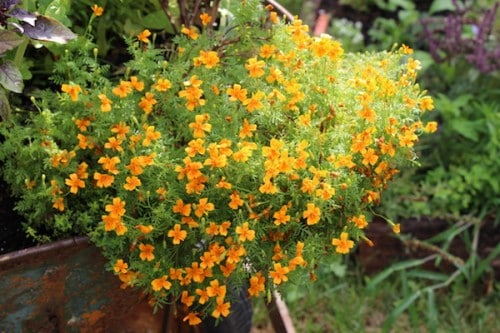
(253, 140)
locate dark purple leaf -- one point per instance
(9, 40)
(5, 5)
(10, 77)
(49, 30)
(23, 16)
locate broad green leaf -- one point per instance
(10, 77)
(441, 5)
(468, 129)
(57, 10)
(157, 21)
(49, 30)
(9, 40)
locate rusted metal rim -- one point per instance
(57, 246)
(282, 10)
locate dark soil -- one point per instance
(12, 236)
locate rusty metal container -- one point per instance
(63, 287)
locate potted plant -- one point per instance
(238, 159)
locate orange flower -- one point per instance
(216, 290)
(150, 136)
(177, 234)
(190, 32)
(369, 157)
(279, 273)
(105, 103)
(255, 67)
(200, 125)
(110, 222)
(109, 163)
(97, 10)
(257, 284)
(82, 124)
(192, 318)
(267, 50)
(203, 207)
(143, 36)
(254, 103)
(343, 245)
(84, 141)
(81, 171)
(224, 227)
(58, 203)
(117, 208)
(186, 299)
(120, 266)
(205, 19)
(135, 166)
(182, 208)
(245, 233)
(221, 309)
(431, 127)
(312, 214)
(132, 183)
(426, 103)
(281, 217)
(209, 58)
(247, 129)
(74, 183)
(147, 102)
(145, 229)
(123, 89)
(162, 84)
(359, 221)
(72, 90)
(236, 201)
(146, 252)
(114, 144)
(236, 93)
(103, 180)
(207, 260)
(121, 130)
(161, 283)
(136, 84)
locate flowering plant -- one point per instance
(243, 158)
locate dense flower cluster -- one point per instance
(242, 161)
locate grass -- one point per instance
(340, 302)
